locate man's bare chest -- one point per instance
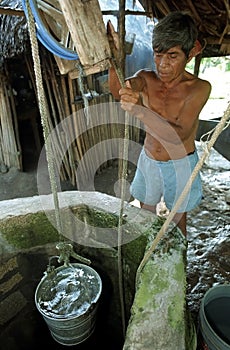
(166, 103)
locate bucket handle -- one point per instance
(66, 251)
(50, 268)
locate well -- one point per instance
(28, 239)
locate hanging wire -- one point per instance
(81, 88)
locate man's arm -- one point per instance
(168, 129)
(136, 83)
(189, 114)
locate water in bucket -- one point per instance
(67, 298)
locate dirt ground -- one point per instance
(17, 184)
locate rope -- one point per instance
(124, 166)
(123, 190)
(208, 134)
(43, 111)
(218, 129)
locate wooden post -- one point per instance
(85, 22)
(197, 64)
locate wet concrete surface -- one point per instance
(208, 226)
(209, 232)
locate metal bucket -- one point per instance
(68, 299)
(214, 321)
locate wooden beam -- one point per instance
(65, 66)
(121, 33)
(85, 22)
(10, 12)
(197, 64)
(88, 70)
(51, 11)
(216, 40)
(127, 12)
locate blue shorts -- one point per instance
(156, 179)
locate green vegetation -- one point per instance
(222, 63)
(217, 71)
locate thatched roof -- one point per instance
(212, 18)
(13, 29)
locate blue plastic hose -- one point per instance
(45, 37)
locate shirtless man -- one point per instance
(168, 101)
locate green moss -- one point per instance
(176, 313)
(179, 274)
(95, 217)
(132, 254)
(143, 295)
(28, 230)
(134, 251)
(155, 278)
(152, 283)
(176, 307)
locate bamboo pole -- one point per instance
(68, 130)
(76, 151)
(61, 113)
(10, 154)
(14, 120)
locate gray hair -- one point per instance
(177, 28)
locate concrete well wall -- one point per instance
(155, 308)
